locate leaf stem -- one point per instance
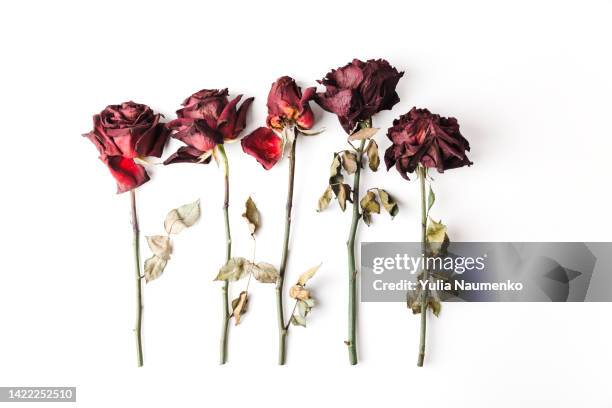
(350, 245)
(228, 255)
(422, 172)
(282, 329)
(139, 307)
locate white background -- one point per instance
(530, 84)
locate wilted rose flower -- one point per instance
(124, 132)
(264, 145)
(429, 139)
(287, 105)
(207, 119)
(358, 90)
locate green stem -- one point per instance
(228, 255)
(350, 245)
(139, 307)
(422, 172)
(282, 328)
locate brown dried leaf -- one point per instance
(388, 202)
(239, 306)
(349, 162)
(372, 152)
(324, 200)
(251, 215)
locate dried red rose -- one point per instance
(287, 105)
(358, 90)
(264, 145)
(208, 118)
(124, 132)
(420, 137)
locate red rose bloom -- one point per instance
(264, 145)
(358, 90)
(124, 132)
(287, 105)
(207, 119)
(420, 137)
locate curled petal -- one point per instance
(126, 172)
(188, 154)
(264, 145)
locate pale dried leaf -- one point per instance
(308, 274)
(264, 272)
(364, 133)
(298, 320)
(234, 269)
(311, 132)
(299, 292)
(160, 245)
(436, 232)
(182, 217)
(154, 267)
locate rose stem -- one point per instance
(136, 246)
(350, 244)
(282, 328)
(228, 255)
(422, 172)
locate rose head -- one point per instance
(124, 132)
(288, 106)
(264, 145)
(420, 137)
(358, 90)
(208, 118)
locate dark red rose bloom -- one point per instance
(124, 132)
(264, 145)
(358, 90)
(287, 105)
(208, 118)
(421, 137)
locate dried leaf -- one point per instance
(251, 215)
(369, 203)
(431, 199)
(349, 162)
(154, 267)
(372, 152)
(182, 217)
(335, 175)
(298, 320)
(308, 274)
(160, 245)
(364, 133)
(388, 202)
(367, 218)
(310, 132)
(343, 195)
(324, 200)
(234, 269)
(239, 306)
(436, 232)
(264, 272)
(434, 305)
(299, 292)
